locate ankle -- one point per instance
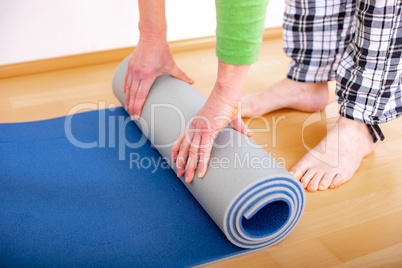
(358, 131)
(309, 97)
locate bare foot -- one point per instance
(306, 97)
(336, 158)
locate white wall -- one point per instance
(40, 29)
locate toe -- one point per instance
(326, 181)
(299, 169)
(296, 173)
(315, 181)
(306, 178)
(338, 180)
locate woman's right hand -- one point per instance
(151, 58)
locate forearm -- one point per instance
(152, 24)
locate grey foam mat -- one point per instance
(253, 200)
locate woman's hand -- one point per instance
(151, 58)
(194, 145)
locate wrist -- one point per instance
(226, 92)
(152, 31)
(230, 80)
(226, 96)
(152, 37)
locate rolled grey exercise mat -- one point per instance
(253, 200)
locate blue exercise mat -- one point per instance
(64, 206)
(91, 190)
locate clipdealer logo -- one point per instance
(112, 134)
(242, 161)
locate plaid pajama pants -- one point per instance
(356, 42)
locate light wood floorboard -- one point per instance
(359, 224)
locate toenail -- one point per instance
(321, 187)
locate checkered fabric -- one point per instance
(358, 43)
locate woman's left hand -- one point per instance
(194, 145)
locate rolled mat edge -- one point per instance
(256, 205)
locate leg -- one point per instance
(316, 33)
(369, 92)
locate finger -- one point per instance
(127, 86)
(133, 91)
(141, 95)
(240, 126)
(205, 153)
(193, 158)
(175, 148)
(127, 76)
(127, 103)
(183, 153)
(178, 73)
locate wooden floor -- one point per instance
(358, 224)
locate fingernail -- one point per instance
(201, 173)
(180, 173)
(332, 186)
(250, 133)
(135, 117)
